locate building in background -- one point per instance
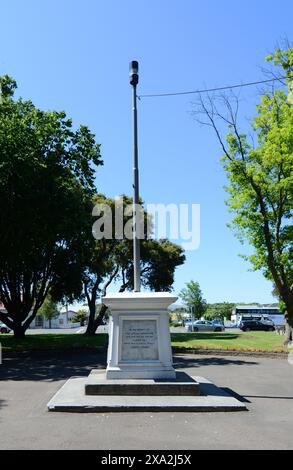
(256, 312)
(63, 320)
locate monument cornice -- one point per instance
(142, 300)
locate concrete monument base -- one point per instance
(140, 374)
(139, 336)
(72, 398)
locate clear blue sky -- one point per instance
(73, 55)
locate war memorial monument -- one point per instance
(140, 375)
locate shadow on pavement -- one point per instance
(235, 395)
(2, 403)
(268, 397)
(51, 367)
(197, 361)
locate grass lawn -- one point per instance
(243, 341)
(52, 341)
(248, 341)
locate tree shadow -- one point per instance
(198, 361)
(51, 366)
(185, 337)
(2, 403)
(57, 366)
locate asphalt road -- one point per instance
(28, 383)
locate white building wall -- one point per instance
(62, 321)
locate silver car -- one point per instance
(204, 325)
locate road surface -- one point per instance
(27, 384)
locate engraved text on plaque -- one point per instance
(139, 340)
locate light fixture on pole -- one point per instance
(133, 68)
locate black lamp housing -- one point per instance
(133, 72)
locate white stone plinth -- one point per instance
(139, 336)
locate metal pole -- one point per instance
(136, 242)
(192, 314)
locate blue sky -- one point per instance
(74, 56)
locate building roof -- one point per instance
(248, 307)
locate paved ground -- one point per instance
(46, 331)
(27, 384)
(62, 331)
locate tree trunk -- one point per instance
(288, 329)
(287, 298)
(90, 330)
(18, 318)
(94, 323)
(18, 332)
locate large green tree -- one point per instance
(81, 317)
(109, 260)
(220, 310)
(192, 297)
(260, 177)
(47, 174)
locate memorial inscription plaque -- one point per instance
(139, 340)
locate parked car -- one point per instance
(204, 325)
(217, 322)
(4, 328)
(254, 325)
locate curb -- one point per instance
(230, 352)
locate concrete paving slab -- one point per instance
(71, 398)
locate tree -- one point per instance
(47, 172)
(111, 259)
(81, 317)
(260, 179)
(49, 309)
(220, 311)
(192, 296)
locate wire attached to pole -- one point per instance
(211, 89)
